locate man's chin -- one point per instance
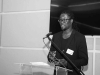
(63, 29)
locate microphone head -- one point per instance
(50, 33)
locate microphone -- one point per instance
(50, 33)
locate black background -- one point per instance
(86, 13)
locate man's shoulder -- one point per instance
(58, 33)
(79, 35)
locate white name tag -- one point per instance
(69, 51)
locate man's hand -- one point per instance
(51, 56)
(63, 61)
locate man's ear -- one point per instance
(71, 20)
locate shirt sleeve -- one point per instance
(82, 54)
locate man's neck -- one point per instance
(68, 31)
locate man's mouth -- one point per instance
(63, 26)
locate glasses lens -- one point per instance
(64, 20)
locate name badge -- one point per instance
(69, 51)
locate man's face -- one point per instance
(65, 21)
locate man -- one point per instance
(71, 43)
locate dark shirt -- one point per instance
(76, 43)
(63, 43)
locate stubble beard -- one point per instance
(65, 28)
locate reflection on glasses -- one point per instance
(63, 20)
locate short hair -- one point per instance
(69, 13)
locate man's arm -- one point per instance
(82, 54)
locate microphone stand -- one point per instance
(66, 58)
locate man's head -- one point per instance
(66, 20)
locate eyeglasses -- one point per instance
(63, 20)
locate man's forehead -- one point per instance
(64, 16)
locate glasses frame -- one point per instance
(65, 20)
